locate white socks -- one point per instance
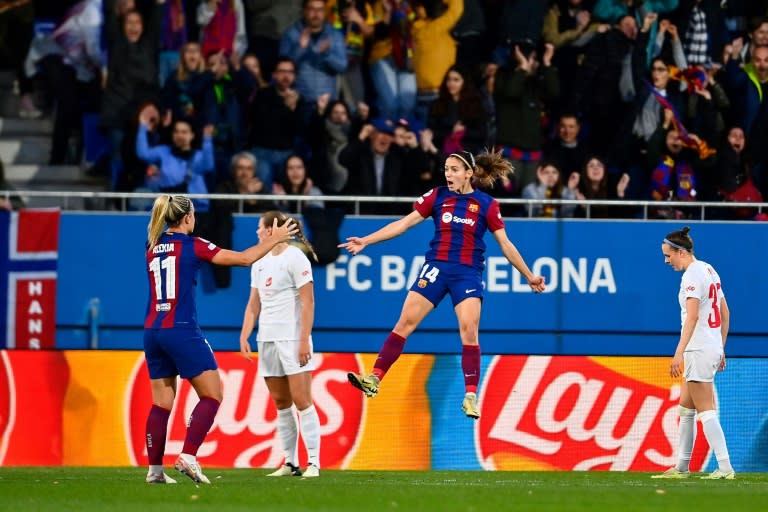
(716, 439)
(310, 431)
(288, 434)
(686, 437)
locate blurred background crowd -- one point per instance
(590, 99)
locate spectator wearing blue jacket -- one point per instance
(179, 167)
(319, 52)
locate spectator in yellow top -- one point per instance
(434, 49)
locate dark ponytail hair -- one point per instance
(680, 240)
(489, 166)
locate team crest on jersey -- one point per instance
(474, 207)
(422, 283)
(269, 281)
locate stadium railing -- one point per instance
(128, 201)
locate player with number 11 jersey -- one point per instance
(172, 266)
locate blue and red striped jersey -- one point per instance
(172, 266)
(461, 221)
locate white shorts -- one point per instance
(281, 358)
(701, 365)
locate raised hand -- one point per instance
(649, 19)
(672, 31)
(322, 102)
(284, 232)
(573, 180)
(353, 245)
(549, 52)
(522, 62)
(621, 186)
(149, 116)
(365, 132)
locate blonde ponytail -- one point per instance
(167, 210)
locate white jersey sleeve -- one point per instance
(299, 268)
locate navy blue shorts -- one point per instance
(171, 352)
(438, 278)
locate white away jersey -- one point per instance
(278, 279)
(700, 281)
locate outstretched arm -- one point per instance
(356, 244)
(513, 256)
(258, 251)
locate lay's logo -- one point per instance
(580, 413)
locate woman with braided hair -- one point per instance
(282, 299)
(454, 263)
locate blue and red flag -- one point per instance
(29, 251)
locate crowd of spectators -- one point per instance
(590, 99)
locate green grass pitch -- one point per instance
(32, 489)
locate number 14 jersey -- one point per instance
(461, 221)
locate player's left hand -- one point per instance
(353, 245)
(537, 284)
(721, 366)
(676, 367)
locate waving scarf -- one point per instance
(699, 145)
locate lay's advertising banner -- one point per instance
(89, 408)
